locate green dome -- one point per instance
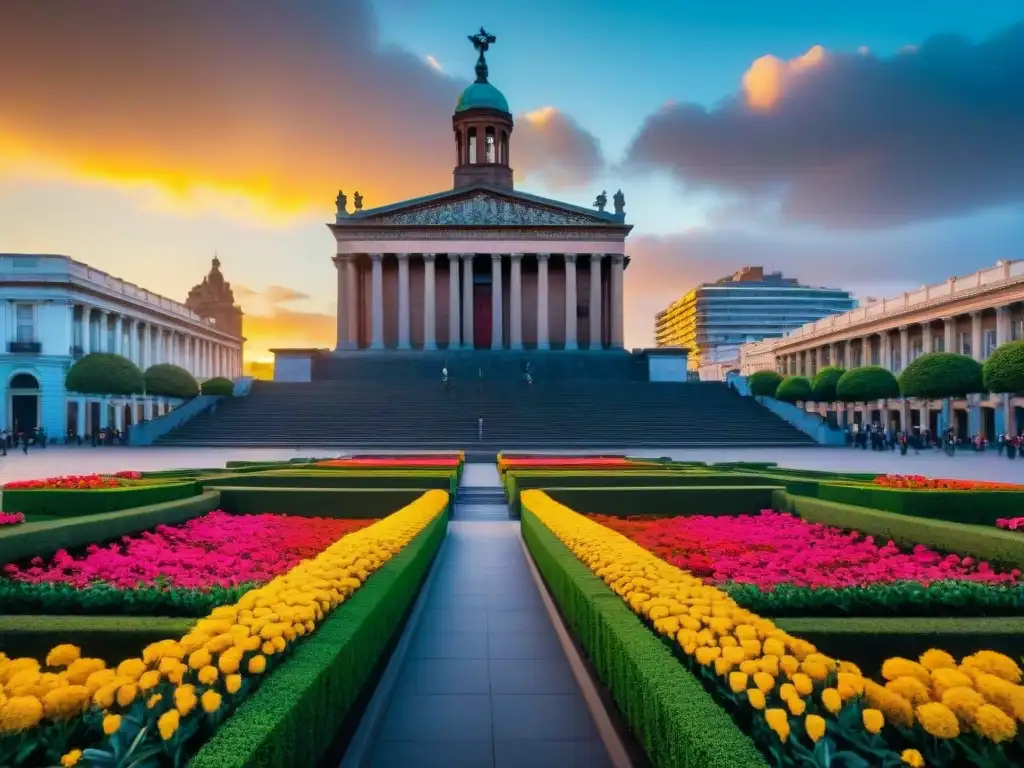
(481, 96)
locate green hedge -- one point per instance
(669, 501)
(293, 717)
(869, 642)
(295, 478)
(73, 502)
(667, 709)
(1002, 548)
(355, 503)
(111, 638)
(105, 600)
(977, 507)
(43, 539)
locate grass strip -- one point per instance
(111, 638)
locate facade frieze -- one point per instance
(546, 234)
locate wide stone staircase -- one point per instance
(577, 400)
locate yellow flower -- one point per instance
(934, 659)
(98, 679)
(268, 648)
(279, 643)
(803, 684)
(815, 726)
(912, 758)
(790, 665)
(153, 700)
(851, 681)
(900, 667)
(168, 724)
(787, 691)
(210, 701)
(111, 724)
(815, 669)
(944, 678)
(778, 721)
(66, 702)
(756, 698)
(149, 679)
(257, 665)
(126, 694)
(796, 706)
(938, 720)
(992, 723)
(62, 655)
(70, 759)
(104, 695)
(873, 720)
(995, 664)
(832, 700)
(230, 660)
(232, 683)
(199, 659)
(764, 681)
(964, 702)
(20, 713)
(131, 668)
(185, 699)
(208, 675)
(911, 689)
(738, 682)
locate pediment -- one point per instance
(485, 208)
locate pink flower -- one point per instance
(11, 518)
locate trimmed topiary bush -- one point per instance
(823, 388)
(166, 380)
(218, 386)
(764, 383)
(937, 375)
(103, 373)
(870, 382)
(794, 389)
(1004, 370)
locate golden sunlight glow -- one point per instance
(765, 81)
(542, 116)
(433, 63)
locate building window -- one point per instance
(490, 148)
(26, 326)
(918, 350)
(939, 344)
(503, 156)
(1017, 330)
(460, 152)
(472, 146)
(989, 343)
(965, 344)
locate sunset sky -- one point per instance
(874, 146)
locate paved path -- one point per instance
(84, 460)
(479, 678)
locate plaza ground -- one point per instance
(81, 460)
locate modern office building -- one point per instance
(54, 310)
(714, 319)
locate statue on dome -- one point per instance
(602, 201)
(619, 200)
(341, 202)
(482, 41)
(358, 201)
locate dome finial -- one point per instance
(482, 41)
(216, 260)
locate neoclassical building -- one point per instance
(482, 265)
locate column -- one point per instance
(80, 416)
(543, 334)
(341, 264)
(133, 341)
(377, 341)
(158, 345)
(454, 303)
(468, 339)
(70, 309)
(812, 362)
(976, 347)
(119, 335)
(1002, 325)
(104, 413)
(86, 330)
(848, 354)
(618, 265)
(429, 299)
(150, 342)
(595, 301)
(403, 301)
(865, 353)
(515, 291)
(904, 346)
(950, 334)
(497, 323)
(352, 301)
(570, 301)
(119, 415)
(104, 339)
(926, 339)
(833, 354)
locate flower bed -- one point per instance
(800, 706)
(382, 462)
(70, 482)
(11, 518)
(918, 482)
(1011, 524)
(178, 570)
(778, 564)
(155, 710)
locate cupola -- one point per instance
(483, 127)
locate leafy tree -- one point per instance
(1004, 370)
(938, 375)
(166, 380)
(823, 388)
(218, 386)
(865, 384)
(764, 383)
(794, 389)
(103, 373)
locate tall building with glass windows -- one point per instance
(714, 319)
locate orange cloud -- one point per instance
(255, 108)
(287, 328)
(765, 79)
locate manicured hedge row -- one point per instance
(293, 717)
(977, 507)
(355, 503)
(1005, 548)
(69, 503)
(667, 709)
(43, 539)
(111, 638)
(869, 642)
(104, 600)
(668, 501)
(291, 478)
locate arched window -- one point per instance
(472, 146)
(504, 149)
(459, 152)
(24, 381)
(490, 150)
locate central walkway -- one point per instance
(479, 677)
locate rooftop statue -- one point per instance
(482, 41)
(602, 201)
(358, 201)
(619, 200)
(341, 203)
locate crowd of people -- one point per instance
(14, 439)
(880, 438)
